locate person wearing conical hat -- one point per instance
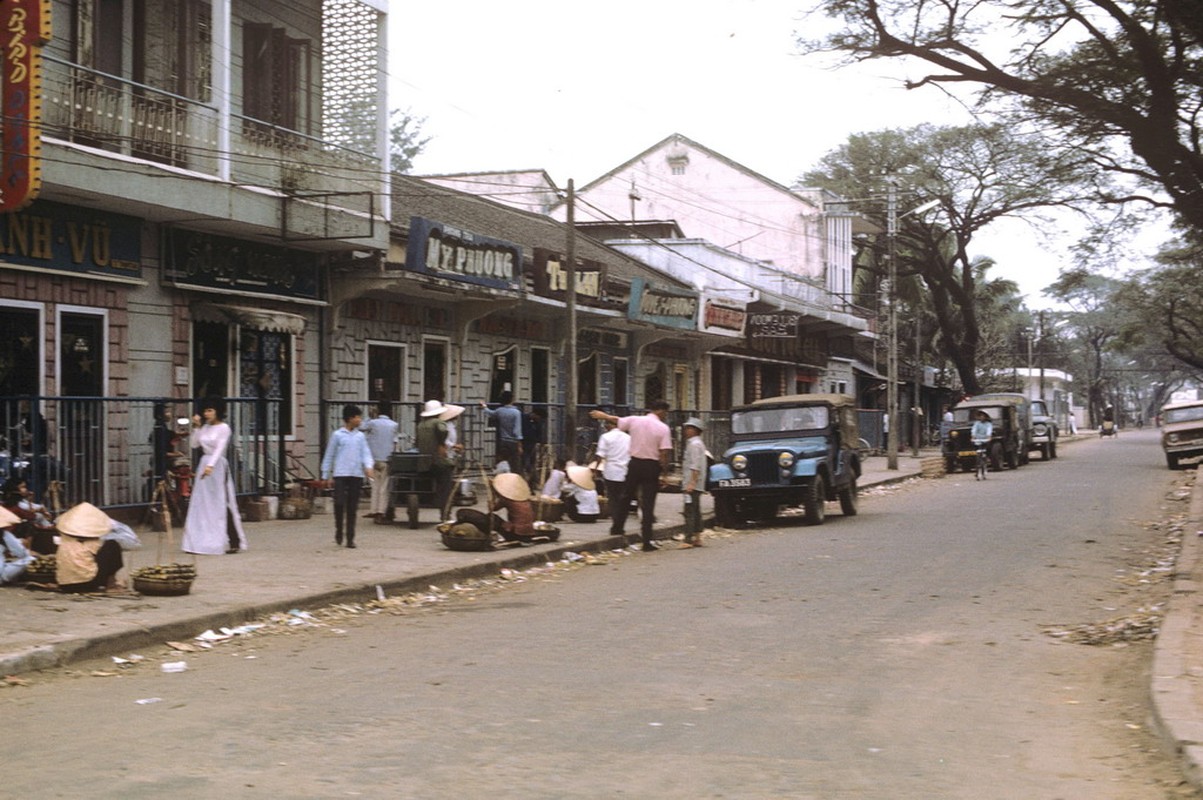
(582, 504)
(512, 492)
(431, 439)
(14, 554)
(85, 562)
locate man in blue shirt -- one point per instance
(509, 430)
(381, 432)
(349, 461)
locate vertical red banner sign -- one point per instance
(24, 28)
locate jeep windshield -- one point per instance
(777, 420)
(1188, 414)
(965, 415)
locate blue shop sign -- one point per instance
(72, 239)
(671, 308)
(444, 251)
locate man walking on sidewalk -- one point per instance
(614, 449)
(348, 460)
(381, 432)
(651, 445)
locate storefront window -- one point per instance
(434, 370)
(540, 375)
(621, 376)
(586, 382)
(503, 374)
(265, 371)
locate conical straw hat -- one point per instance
(512, 486)
(84, 521)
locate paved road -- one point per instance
(901, 654)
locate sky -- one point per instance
(577, 88)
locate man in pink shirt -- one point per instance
(651, 445)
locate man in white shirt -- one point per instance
(614, 447)
(381, 433)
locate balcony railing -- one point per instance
(111, 113)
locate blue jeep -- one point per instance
(794, 450)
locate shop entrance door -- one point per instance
(82, 358)
(386, 370)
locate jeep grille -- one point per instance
(762, 468)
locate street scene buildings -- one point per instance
(210, 214)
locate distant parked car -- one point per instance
(792, 450)
(1182, 432)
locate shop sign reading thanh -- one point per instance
(550, 276)
(203, 261)
(722, 316)
(444, 251)
(26, 27)
(659, 305)
(72, 239)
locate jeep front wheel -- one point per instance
(724, 511)
(848, 499)
(815, 504)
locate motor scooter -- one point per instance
(1107, 428)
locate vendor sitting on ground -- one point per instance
(38, 521)
(554, 485)
(85, 563)
(14, 553)
(512, 492)
(581, 501)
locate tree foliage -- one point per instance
(405, 140)
(1168, 301)
(1119, 79)
(978, 175)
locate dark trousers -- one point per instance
(643, 482)
(443, 476)
(693, 515)
(507, 450)
(619, 503)
(346, 505)
(108, 563)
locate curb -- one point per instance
(1174, 678)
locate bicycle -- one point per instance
(983, 461)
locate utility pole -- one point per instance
(892, 351)
(570, 271)
(916, 435)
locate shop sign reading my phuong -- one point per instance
(444, 251)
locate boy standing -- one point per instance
(693, 479)
(349, 460)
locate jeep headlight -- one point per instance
(785, 460)
(1040, 429)
(739, 463)
(1172, 438)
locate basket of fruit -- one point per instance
(41, 569)
(164, 579)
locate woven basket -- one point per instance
(42, 570)
(549, 510)
(165, 586)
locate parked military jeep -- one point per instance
(794, 450)
(1005, 447)
(1182, 431)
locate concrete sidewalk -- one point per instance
(293, 564)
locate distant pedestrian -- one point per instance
(693, 480)
(348, 460)
(381, 433)
(651, 446)
(213, 525)
(509, 430)
(614, 450)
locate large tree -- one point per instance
(1168, 301)
(1119, 79)
(405, 140)
(977, 175)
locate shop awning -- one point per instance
(259, 319)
